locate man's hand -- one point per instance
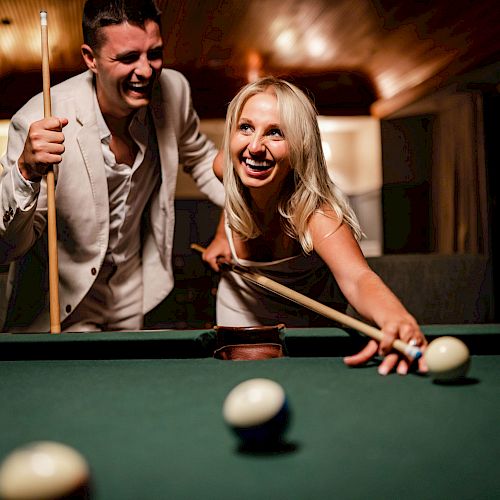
(43, 148)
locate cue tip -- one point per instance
(43, 17)
(414, 352)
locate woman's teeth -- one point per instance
(258, 165)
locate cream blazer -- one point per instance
(82, 201)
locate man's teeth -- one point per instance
(138, 85)
(258, 165)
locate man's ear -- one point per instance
(89, 57)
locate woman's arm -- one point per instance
(364, 289)
(218, 165)
(219, 246)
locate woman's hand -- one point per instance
(219, 248)
(215, 252)
(405, 329)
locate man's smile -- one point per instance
(139, 87)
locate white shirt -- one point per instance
(129, 187)
(115, 300)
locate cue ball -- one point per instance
(44, 470)
(257, 411)
(447, 359)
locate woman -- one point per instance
(287, 220)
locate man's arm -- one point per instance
(32, 149)
(196, 151)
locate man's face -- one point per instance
(126, 66)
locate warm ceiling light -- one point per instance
(254, 66)
(316, 47)
(8, 42)
(286, 41)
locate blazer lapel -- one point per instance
(162, 209)
(90, 148)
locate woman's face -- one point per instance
(259, 150)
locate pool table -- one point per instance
(144, 408)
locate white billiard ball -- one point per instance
(257, 411)
(447, 359)
(44, 470)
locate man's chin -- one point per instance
(138, 102)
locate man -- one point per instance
(117, 135)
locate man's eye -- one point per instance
(155, 54)
(128, 59)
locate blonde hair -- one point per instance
(308, 188)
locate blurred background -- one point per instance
(408, 97)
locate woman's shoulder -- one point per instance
(324, 218)
(218, 165)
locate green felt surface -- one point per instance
(152, 428)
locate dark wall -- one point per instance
(492, 147)
(191, 304)
(407, 167)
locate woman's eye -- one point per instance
(244, 127)
(276, 133)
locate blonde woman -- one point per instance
(286, 219)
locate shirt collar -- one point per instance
(104, 132)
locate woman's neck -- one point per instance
(263, 201)
(265, 210)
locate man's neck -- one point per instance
(117, 121)
(118, 126)
(122, 145)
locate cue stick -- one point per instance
(55, 319)
(287, 293)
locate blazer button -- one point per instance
(93, 271)
(68, 308)
(7, 215)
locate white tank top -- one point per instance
(241, 303)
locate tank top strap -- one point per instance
(250, 263)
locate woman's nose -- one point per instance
(256, 144)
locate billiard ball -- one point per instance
(447, 359)
(257, 411)
(44, 470)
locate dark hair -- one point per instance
(98, 14)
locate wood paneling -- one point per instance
(355, 56)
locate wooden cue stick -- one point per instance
(55, 319)
(279, 289)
